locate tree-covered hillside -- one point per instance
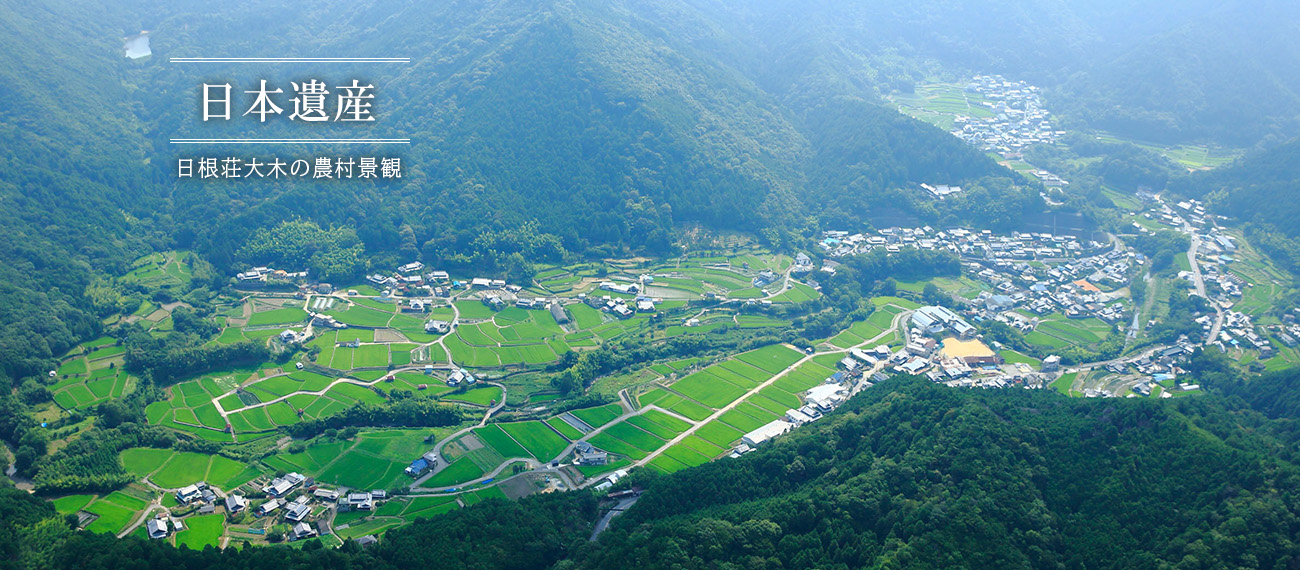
(541, 131)
(1262, 190)
(75, 180)
(544, 130)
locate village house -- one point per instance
(235, 503)
(157, 528)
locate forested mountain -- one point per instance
(1262, 187)
(74, 177)
(548, 129)
(906, 475)
(1152, 70)
(1262, 190)
(542, 128)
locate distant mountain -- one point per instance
(1152, 69)
(1261, 187)
(602, 122)
(1261, 190)
(550, 128)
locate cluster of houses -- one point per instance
(1039, 272)
(1067, 288)
(940, 191)
(923, 356)
(1019, 119)
(278, 490)
(971, 244)
(817, 402)
(618, 306)
(412, 279)
(1155, 368)
(293, 495)
(267, 274)
(1239, 331)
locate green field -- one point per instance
(493, 436)
(614, 445)
(71, 503)
(540, 440)
(638, 437)
(596, 417)
(564, 428)
(288, 315)
(144, 460)
(458, 472)
(690, 409)
(112, 518)
(708, 389)
(483, 396)
(1063, 383)
(182, 469)
(1013, 357)
(773, 358)
(201, 531)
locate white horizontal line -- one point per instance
(288, 141)
(290, 60)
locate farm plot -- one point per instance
(687, 456)
(360, 316)
(564, 428)
(797, 294)
(617, 446)
(201, 531)
(493, 436)
(773, 358)
(538, 438)
(803, 378)
(596, 417)
(112, 517)
(374, 460)
(101, 386)
(635, 436)
(460, 471)
(690, 409)
(708, 389)
(483, 396)
(285, 316)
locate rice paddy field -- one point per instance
(1055, 331)
(174, 469)
(167, 269)
(375, 459)
(201, 531)
(284, 316)
(940, 103)
(519, 337)
(80, 390)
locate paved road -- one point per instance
(619, 508)
(1198, 281)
